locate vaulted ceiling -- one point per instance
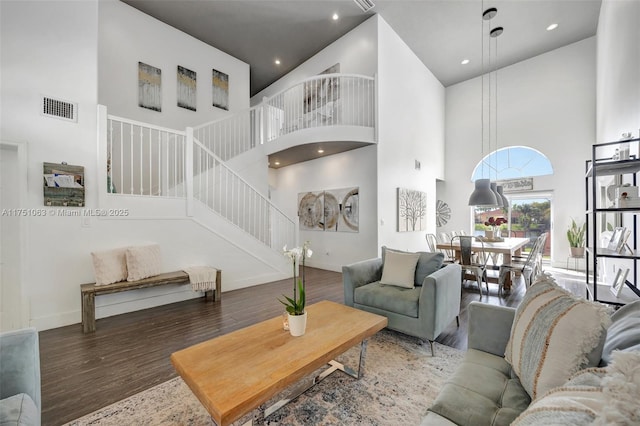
(440, 32)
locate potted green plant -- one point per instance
(296, 314)
(576, 237)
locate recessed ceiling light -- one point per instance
(277, 61)
(552, 27)
(335, 17)
(464, 62)
(320, 151)
(277, 163)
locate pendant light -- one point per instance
(502, 200)
(495, 33)
(483, 195)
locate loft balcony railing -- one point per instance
(321, 101)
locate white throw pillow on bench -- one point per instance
(110, 266)
(143, 262)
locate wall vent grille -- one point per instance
(365, 5)
(59, 109)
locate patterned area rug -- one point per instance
(400, 382)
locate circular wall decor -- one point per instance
(331, 211)
(443, 213)
(310, 211)
(350, 209)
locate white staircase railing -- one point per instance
(228, 195)
(151, 161)
(232, 135)
(143, 159)
(320, 101)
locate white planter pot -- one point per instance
(297, 324)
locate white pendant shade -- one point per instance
(482, 195)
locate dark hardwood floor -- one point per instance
(130, 353)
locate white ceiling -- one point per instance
(440, 32)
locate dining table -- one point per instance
(507, 247)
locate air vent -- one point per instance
(365, 5)
(59, 109)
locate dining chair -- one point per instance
(530, 266)
(477, 266)
(432, 242)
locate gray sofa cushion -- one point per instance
(623, 332)
(389, 298)
(18, 410)
(483, 391)
(428, 263)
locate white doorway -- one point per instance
(13, 175)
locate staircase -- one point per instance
(161, 172)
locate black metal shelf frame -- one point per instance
(607, 166)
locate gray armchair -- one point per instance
(20, 401)
(424, 311)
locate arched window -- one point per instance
(511, 163)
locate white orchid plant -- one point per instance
(296, 305)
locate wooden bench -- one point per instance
(91, 290)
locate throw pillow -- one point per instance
(109, 266)
(427, 264)
(594, 396)
(564, 406)
(399, 269)
(623, 333)
(621, 387)
(554, 334)
(143, 262)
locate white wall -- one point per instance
(546, 103)
(332, 250)
(411, 127)
(618, 88)
(618, 65)
(61, 61)
(127, 36)
(355, 52)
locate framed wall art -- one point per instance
(335, 210)
(220, 88)
(412, 210)
(149, 87)
(63, 185)
(186, 88)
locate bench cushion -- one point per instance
(400, 300)
(18, 410)
(483, 391)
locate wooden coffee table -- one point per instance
(240, 371)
